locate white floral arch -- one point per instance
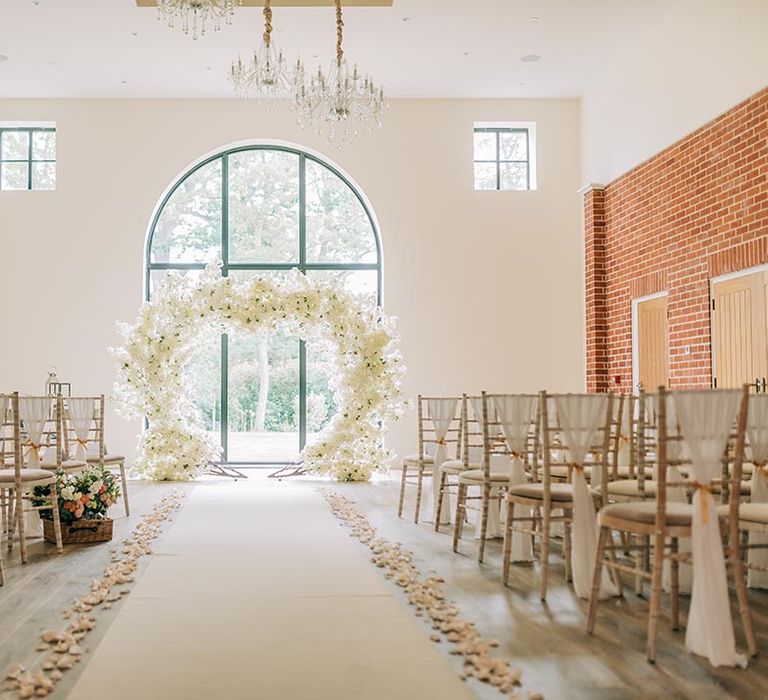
(159, 344)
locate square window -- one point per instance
(27, 157)
(504, 156)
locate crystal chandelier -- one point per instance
(196, 15)
(341, 103)
(266, 74)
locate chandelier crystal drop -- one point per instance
(341, 103)
(266, 74)
(195, 16)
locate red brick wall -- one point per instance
(694, 211)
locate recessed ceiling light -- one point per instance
(405, 19)
(124, 82)
(466, 53)
(534, 19)
(531, 58)
(208, 68)
(3, 58)
(134, 34)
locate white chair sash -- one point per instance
(81, 412)
(34, 412)
(581, 416)
(515, 413)
(706, 418)
(441, 412)
(757, 438)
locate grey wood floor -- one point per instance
(547, 641)
(35, 594)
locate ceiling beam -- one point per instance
(296, 3)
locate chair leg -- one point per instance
(653, 617)
(11, 519)
(484, 521)
(615, 573)
(674, 585)
(125, 488)
(402, 491)
(737, 566)
(458, 525)
(439, 513)
(567, 550)
(545, 534)
(596, 578)
(419, 489)
(20, 521)
(56, 520)
(508, 534)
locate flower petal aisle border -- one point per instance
(428, 597)
(63, 647)
(362, 342)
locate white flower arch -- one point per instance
(156, 348)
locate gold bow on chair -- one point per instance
(705, 490)
(32, 447)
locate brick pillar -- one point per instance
(595, 288)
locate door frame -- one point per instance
(712, 282)
(635, 348)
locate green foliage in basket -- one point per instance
(85, 495)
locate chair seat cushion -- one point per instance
(414, 459)
(631, 487)
(623, 471)
(116, 459)
(559, 471)
(8, 476)
(66, 465)
(751, 512)
(455, 466)
(475, 476)
(558, 492)
(678, 514)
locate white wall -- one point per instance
(701, 58)
(485, 284)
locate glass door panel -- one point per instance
(203, 378)
(263, 405)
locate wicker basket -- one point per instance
(80, 531)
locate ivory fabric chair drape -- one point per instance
(516, 413)
(581, 417)
(757, 440)
(441, 412)
(81, 414)
(34, 412)
(706, 419)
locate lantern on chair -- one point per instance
(54, 387)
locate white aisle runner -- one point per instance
(257, 592)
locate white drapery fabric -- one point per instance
(757, 439)
(581, 416)
(499, 464)
(81, 413)
(441, 412)
(34, 412)
(706, 418)
(516, 414)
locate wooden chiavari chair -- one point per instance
(422, 463)
(665, 523)
(551, 500)
(491, 482)
(19, 481)
(471, 457)
(85, 427)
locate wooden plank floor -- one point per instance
(34, 595)
(546, 640)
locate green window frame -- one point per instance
(498, 161)
(300, 264)
(30, 160)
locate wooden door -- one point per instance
(739, 329)
(652, 343)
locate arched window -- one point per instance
(264, 210)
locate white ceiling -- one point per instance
(446, 48)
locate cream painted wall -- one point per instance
(700, 59)
(486, 285)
